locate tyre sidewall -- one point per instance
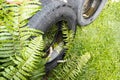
(49, 15)
(52, 13)
(81, 20)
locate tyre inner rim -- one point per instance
(90, 7)
(54, 42)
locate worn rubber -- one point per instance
(81, 20)
(52, 13)
(45, 2)
(49, 15)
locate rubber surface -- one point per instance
(45, 2)
(49, 15)
(52, 13)
(81, 20)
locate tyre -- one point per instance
(45, 2)
(88, 10)
(53, 20)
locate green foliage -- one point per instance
(20, 53)
(2, 11)
(71, 68)
(72, 63)
(100, 40)
(94, 55)
(68, 36)
(27, 62)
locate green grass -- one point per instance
(100, 43)
(95, 52)
(102, 40)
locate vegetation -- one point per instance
(20, 53)
(94, 54)
(102, 40)
(100, 43)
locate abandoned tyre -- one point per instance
(57, 20)
(88, 10)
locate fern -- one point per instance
(71, 68)
(72, 64)
(3, 12)
(20, 53)
(6, 47)
(24, 54)
(12, 36)
(28, 62)
(68, 35)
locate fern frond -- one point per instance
(68, 36)
(18, 51)
(70, 69)
(28, 62)
(73, 63)
(6, 47)
(27, 10)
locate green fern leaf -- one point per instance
(71, 68)
(19, 52)
(26, 66)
